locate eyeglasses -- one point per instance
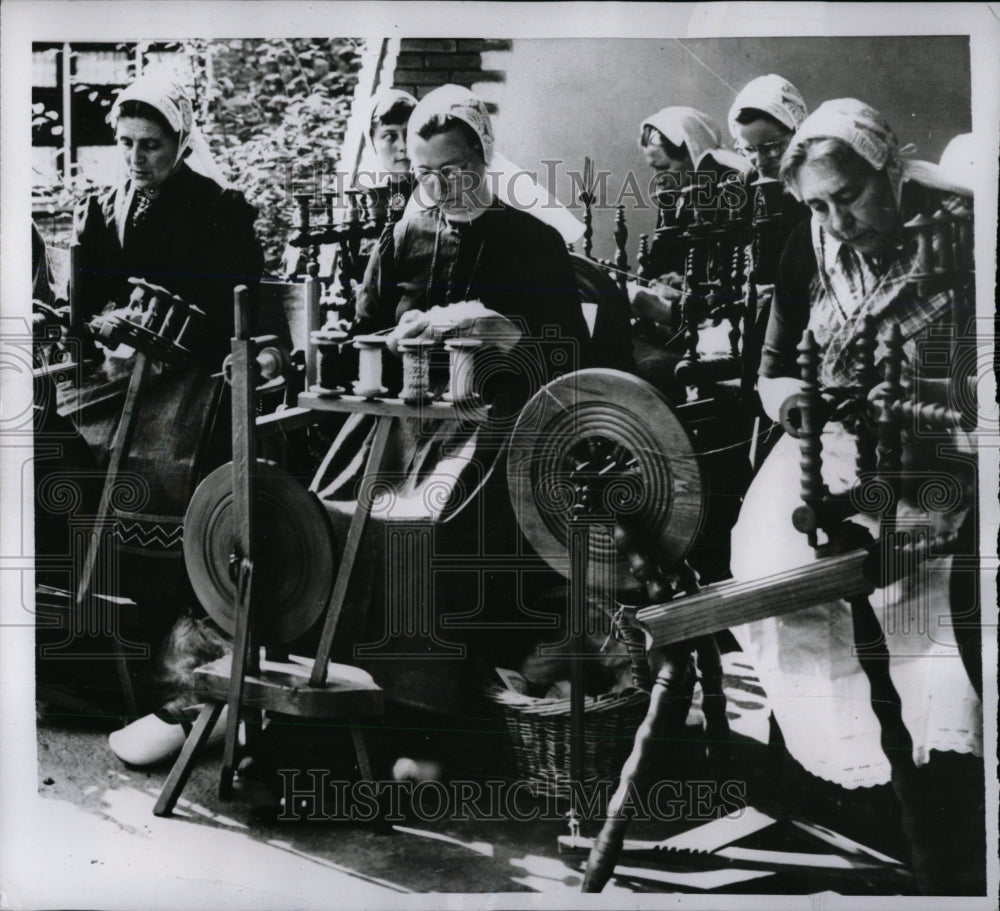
(765, 150)
(448, 173)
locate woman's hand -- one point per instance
(658, 302)
(412, 324)
(467, 319)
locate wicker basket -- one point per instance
(541, 733)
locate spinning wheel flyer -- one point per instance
(649, 561)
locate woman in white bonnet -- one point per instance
(173, 222)
(762, 120)
(852, 261)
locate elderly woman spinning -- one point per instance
(853, 261)
(459, 261)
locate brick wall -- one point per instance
(424, 64)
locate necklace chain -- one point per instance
(434, 258)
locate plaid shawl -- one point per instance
(849, 286)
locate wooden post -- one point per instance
(244, 455)
(579, 546)
(621, 238)
(311, 292)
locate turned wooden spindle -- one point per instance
(587, 198)
(642, 259)
(865, 377)
(733, 313)
(314, 321)
(888, 452)
(621, 238)
(304, 200)
(943, 242)
(691, 309)
(810, 404)
(328, 198)
(922, 228)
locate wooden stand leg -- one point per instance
(242, 642)
(365, 769)
(120, 445)
(579, 544)
(713, 698)
(181, 771)
(350, 553)
(668, 708)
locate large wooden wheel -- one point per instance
(604, 445)
(294, 560)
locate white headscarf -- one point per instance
(868, 133)
(162, 92)
(958, 160)
(515, 187)
(774, 95)
(383, 101)
(684, 126)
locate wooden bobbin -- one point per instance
(943, 243)
(865, 378)
(369, 382)
(461, 369)
(416, 369)
(805, 517)
(922, 228)
(328, 344)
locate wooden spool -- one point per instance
(416, 369)
(461, 369)
(369, 382)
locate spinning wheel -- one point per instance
(606, 445)
(260, 554)
(165, 324)
(295, 557)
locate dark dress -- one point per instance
(197, 240)
(447, 501)
(507, 259)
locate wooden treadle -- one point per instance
(283, 686)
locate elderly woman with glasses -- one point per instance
(460, 261)
(849, 263)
